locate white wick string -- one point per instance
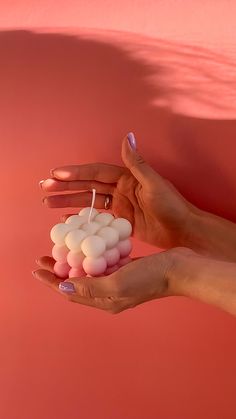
(92, 205)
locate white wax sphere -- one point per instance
(104, 218)
(76, 220)
(123, 227)
(75, 259)
(58, 233)
(94, 266)
(91, 228)
(86, 211)
(93, 246)
(124, 247)
(112, 256)
(74, 238)
(110, 235)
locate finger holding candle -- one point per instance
(102, 172)
(56, 185)
(46, 262)
(53, 282)
(74, 200)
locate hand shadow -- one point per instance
(69, 98)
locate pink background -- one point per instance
(75, 77)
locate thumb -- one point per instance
(86, 287)
(134, 161)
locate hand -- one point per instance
(139, 281)
(158, 213)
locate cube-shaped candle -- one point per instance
(90, 243)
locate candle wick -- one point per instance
(92, 204)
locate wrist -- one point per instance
(193, 230)
(184, 270)
(210, 235)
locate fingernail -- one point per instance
(36, 260)
(40, 183)
(43, 200)
(132, 140)
(67, 287)
(52, 172)
(33, 272)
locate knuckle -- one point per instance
(140, 159)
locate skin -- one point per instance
(198, 262)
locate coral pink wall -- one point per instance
(75, 77)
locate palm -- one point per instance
(156, 215)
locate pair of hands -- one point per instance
(159, 214)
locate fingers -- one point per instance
(46, 262)
(48, 278)
(101, 172)
(54, 185)
(82, 199)
(52, 281)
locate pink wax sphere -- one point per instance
(112, 256)
(94, 266)
(77, 272)
(75, 259)
(59, 253)
(124, 261)
(61, 269)
(124, 247)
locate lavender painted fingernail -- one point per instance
(67, 287)
(132, 140)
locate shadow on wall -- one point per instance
(66, 100)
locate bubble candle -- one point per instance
(90, 243)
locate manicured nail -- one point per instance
(40, 183)
(67, 287)
(132, 140)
